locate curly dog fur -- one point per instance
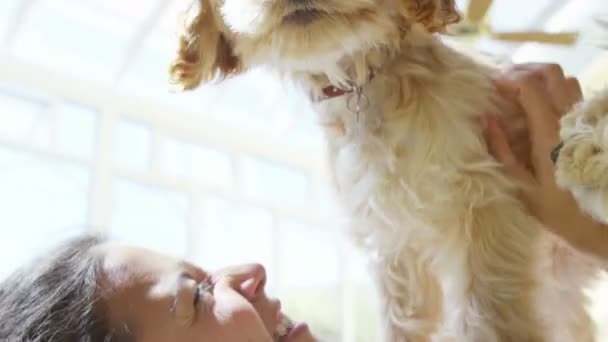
(455, 255)
(582, 165)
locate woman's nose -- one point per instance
(248, 279)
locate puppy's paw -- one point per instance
(581, 159)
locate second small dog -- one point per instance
(455, 254)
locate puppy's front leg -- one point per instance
(411, 298)
(498, 297)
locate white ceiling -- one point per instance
(127, 44)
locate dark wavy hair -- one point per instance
(56, 298)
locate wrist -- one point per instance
(588, 236)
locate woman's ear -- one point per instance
(434, 15)
(204, 52)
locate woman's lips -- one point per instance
(296, 330)
(283, 326)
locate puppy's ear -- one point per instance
(204, 52)
(434, 15)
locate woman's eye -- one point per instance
(202, 289)
(197, 295)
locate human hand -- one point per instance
(544, 94)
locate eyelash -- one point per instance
(203, 287)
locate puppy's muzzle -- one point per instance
(555, 152)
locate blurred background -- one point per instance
(91, 139)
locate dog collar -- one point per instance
(332, 91)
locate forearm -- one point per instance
(588, 236)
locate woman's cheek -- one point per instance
(235, 313)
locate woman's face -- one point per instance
(158, 298)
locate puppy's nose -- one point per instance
(555, 152)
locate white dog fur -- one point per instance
(581, 165)
(455, 255)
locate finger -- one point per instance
(557, 87)
(541, 115)
(501, 150)
(518, 136)
(507, 87)
(543, 125)
(565, 94)
(522, 152)
(564, 91)
(499, 144)
(551, 72)
(575, 92)
(516, 127)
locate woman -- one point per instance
(92, 290)
(545, 94)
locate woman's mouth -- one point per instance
(284, 326)
(288, 330)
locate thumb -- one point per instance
(501, 150)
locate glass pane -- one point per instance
(309, 277)
(573, 16)
(174, 16)
(303, 130)
(199, 163)
(502, 14)
(148, 77)
(7, 14)
(598, 309)
(260, 98)
(132, 145)
(24, 118)
(75, 130)
(150, 217)
(43, 201)
(234, 234)
(326, 201)
(274, 183)
(366, 313)
(135, 11)
(73, 38)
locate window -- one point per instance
(132, 145)
(24, 118)
(274, 183)
(93, 138)
(233, 233)
(85, 41)
(44, 199)
(310, 263)
(75, 130)
(150, 217)
(197, 163)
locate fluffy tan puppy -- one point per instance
(455, 255)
